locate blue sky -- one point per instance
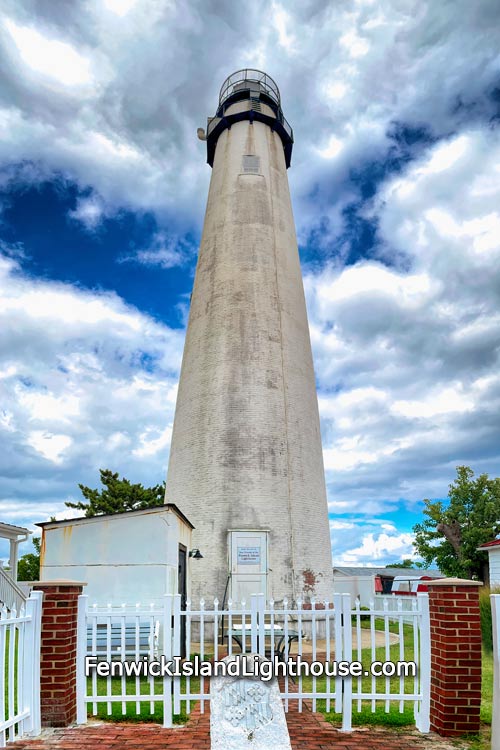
(395, 186)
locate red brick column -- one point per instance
(58, 651)
(455, 656)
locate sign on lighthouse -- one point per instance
(246, 462)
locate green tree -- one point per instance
(403, 564)
(28, 566)
(117, 495)
(454, 529)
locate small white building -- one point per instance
(364, 583)
(493, 550)
(130, 557)
(15, 535)
(11, 595)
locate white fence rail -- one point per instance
(405, 623)
(20, 670)
(395, 603)
(325, 632)
(120, 634)
(276, 632)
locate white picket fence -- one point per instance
(395, 603)
(20, 670)
(330, 631)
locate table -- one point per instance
(282, 638)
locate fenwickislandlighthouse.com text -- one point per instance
(253, 666)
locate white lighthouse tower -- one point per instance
(246, 463)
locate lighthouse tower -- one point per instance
(246, 463)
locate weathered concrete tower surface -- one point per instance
(246, 463)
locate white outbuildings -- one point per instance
(365, 583)
(15, 535)
(493, 550)
(136, 556)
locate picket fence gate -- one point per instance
(325, 632)
(20, 669)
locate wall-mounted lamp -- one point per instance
(196, 554)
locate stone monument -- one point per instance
(246, 712)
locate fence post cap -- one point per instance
(61, 582)
(453, 582)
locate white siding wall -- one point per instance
(494, 556)
(362, 586)
(126, 558)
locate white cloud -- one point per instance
(89, 382)
(341, 525)
(369, 540)
(355, 45)
(281, 20)
(164, 250)
(377, 549)
(444, 156)
(153, 442)
(346, 75)
(443, 402)
(408, 356)
(90, 211)
(109, 94)
(51, 57)
(336, 89)
(333, 148)
(120, 7)
(42, 406)
(51, 447)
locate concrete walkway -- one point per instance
(308, 731)
(365, 642)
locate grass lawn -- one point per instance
(362, 713)
(5, 657)
(487, 687)
(396, 718)
(145, 710)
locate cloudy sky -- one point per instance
(395, 183)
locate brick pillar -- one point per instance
(58, 651)
(455, 656)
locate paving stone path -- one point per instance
(308, 731)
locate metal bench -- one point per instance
(123, 641)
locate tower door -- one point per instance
(248, 564)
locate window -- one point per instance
(251, 163)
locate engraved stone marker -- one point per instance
(246, 712)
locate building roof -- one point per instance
(154, 509)
(9, 531)
(389, 572)
(487, 545)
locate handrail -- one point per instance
(252, 76)
(229, 576)
(11, 595)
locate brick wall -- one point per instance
(58, 652)
(455, 656)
